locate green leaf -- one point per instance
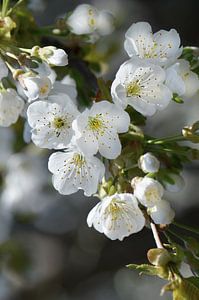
(177, 98)
(159, 271)
(194, 281)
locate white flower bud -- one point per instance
(162, 213)
(148, 191)
(53, 56)
(83, 20)
(148, 163)
(86, 19)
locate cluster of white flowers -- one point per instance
(153, 73)
(57, 124)
(32, 83)
(83, 139)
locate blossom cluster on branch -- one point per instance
(101, 147)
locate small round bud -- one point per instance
(148, 163)
(158, 257)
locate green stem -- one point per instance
(185, 227)
(15, 6)
(5, 6)
(175, 138)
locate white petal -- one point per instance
(148, 191)
(139, 39)
(116, 116)
(174, 80)
(11, 105)
(109, 145)
(94, 218)
(168, 46)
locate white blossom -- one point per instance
(162, 213)
(73, 171)
(35, 87)
(181, 80)
(140, 84)
(97, 129)
(161, 48)
(53, 56)
(117, 216)
(51, 121)
(148, 163)
(11, 105)
(3, 69)
(86, 19)
(148, 191)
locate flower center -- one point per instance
(59, 122)
(151, 53)
(96, 123)
(133, 89)
(151, 195)
(78, 160)
(44, 89)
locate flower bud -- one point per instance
(148, 163)
(158, 257)
(162, 213)
(148, 191)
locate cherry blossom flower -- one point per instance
(35, 87)
(52, 121)
(162, 213)
(148, 191)
(148, 163)
(141, 85)
(117, 216)
(11, 105)
(72, 171)
(181, 80)
(97, 129)
(161, 48)
(86, 19)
